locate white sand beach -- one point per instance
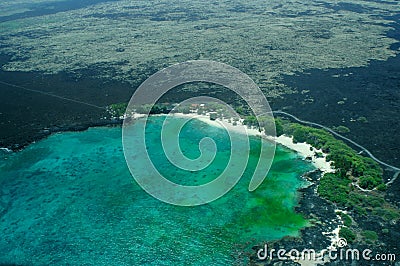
(307, 151)
(303, 149)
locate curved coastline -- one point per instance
(310, 204)
(119, 120)
(76, 148)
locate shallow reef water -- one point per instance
(70, 199)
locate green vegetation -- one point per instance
(240, 110)
(163, 109)
(118, 109)
(216, 110)
(213, 116)
(348, 164)
(335, 189)
(346, 219)
(279, 127)
(250, 121)
(381, 187)
(265, 122)
(184, 109)
(370, 236)
(368, 182)
(347, 234)
(362, 119)
(352, 169)
(341, 129)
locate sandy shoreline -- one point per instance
(303, 149)
(307, 151)
(223, 123)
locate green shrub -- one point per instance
(341, 129)
(118, 109)
(347, 234)
(346, 219)
(362, 119)
(361, 211)
(382, 187)
(250, 120)
(367, 182)
(279, 127)
(334, 188)
(370, 235)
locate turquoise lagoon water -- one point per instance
(70, 199)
